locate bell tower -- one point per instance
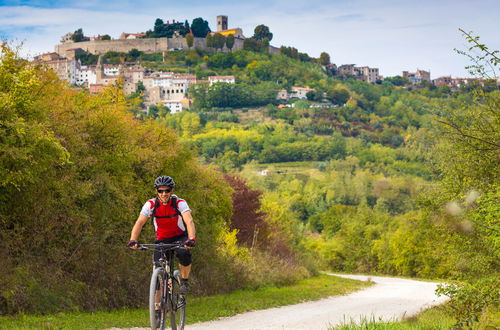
(221, 23)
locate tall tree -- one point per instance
(210, 40)
(261, 32)
(77, 36)
(230, 42)
(218, 41)
(200, 28)
(324, 58)
(189, 40)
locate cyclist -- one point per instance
(173, 223)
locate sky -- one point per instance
(392, 35)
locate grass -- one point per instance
(199, 308)
(433, 318)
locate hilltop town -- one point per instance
(170, 88)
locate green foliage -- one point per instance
(324, 58)
(75, 170)
(468, 302)
(199, 28)
(396, 81)
(87, 58)
(252, 44)
(167, 30)
(218, 41)
(230, 41)
(77, 36)
(261, 33)
(189, 40)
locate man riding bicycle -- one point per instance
(173, 223)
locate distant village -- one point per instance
(170, 89)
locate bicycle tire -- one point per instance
(177, 304)
(157, 281)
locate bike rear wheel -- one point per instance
(177, 304)
(156, 318)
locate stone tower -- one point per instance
(221, 23)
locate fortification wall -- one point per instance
(102, 46)
(150, 45)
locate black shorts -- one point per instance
(183, 254)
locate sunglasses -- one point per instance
(161, 191)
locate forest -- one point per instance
(365, 178)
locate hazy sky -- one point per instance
(393, 35)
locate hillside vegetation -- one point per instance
(75, 170)
(372, 178)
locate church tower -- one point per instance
(221, 23)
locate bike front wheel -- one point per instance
(157, 291)
(177, 304)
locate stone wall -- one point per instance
(150, 45)
(102, 46)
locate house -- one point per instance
(418, 76)
(282, 95)
(364, 73)
(125, 36)
(225, 79)
(300, 92)
(175, 106)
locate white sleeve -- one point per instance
(183, 206)
(147, 210)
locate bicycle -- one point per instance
(165, 282)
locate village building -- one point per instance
(417, 76)
(224, 79)
(300, 92)
(363, 73)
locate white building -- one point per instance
(175, 106)
(86, 75)
(300, 92)
(225, 79)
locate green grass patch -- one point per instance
(434, 318)
(199, 308)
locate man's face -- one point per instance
(164, 193)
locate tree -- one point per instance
(251, 44)
(324, 58)
(189, 40)
(209, 40)
(158, 28)
(133, 54)
(230, 41)
(466, 156)
(200, 28)
(397, 81)
(77, 36)
(338, 95)
(106, 37)
(218, 41)
(262, 32)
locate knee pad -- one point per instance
(184, 256)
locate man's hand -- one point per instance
(190, 243)
(132, 244)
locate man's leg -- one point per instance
(185, 270)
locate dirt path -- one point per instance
(388, 299)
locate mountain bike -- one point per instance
(164, 297)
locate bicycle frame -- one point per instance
(170, 301)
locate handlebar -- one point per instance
(162, 246)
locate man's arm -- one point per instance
(188, 220)
(136, 230)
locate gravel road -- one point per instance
(389, 299)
